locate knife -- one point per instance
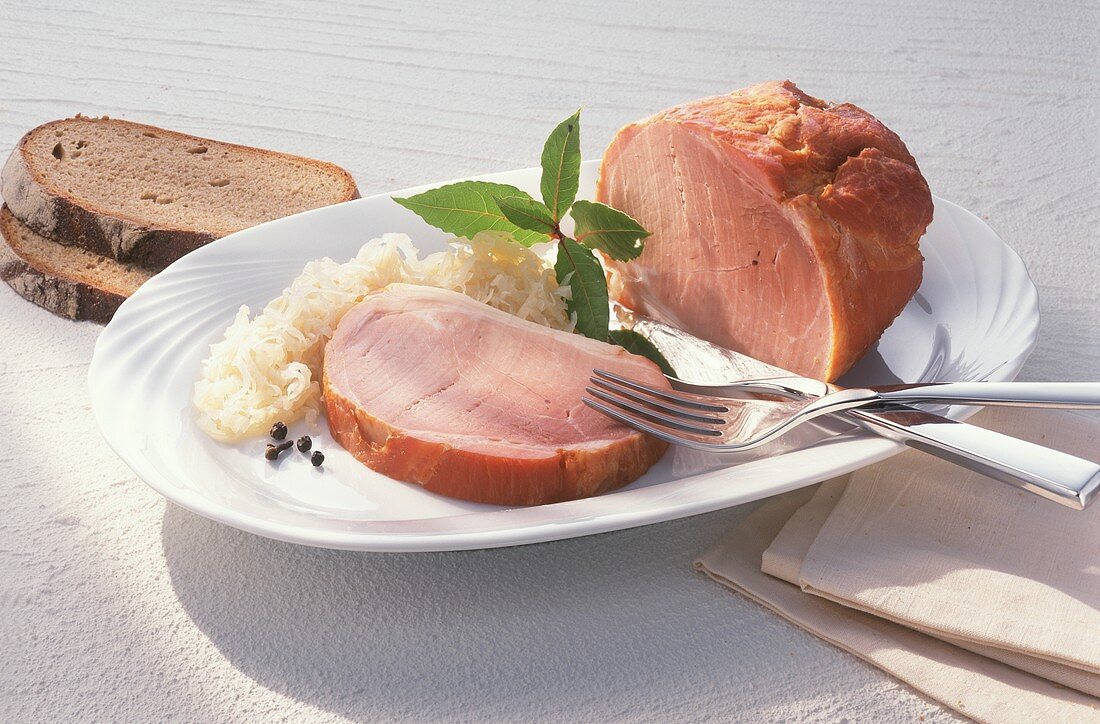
(1054, 475)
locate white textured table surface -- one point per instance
(115, 605)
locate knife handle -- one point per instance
(1057, 476)
(1080, 395)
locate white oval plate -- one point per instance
(975, 317)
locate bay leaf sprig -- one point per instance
(468, 207)
(631, 341)
(561, 166)
(578, 268)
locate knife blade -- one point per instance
(1051, 474)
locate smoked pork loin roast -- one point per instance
(783, 226)
(429, 386)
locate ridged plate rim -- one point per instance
(1007, 301)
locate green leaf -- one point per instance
(601, 227)
(631, 341)
(527, 213)
(561, 166)
(579, 268)
(467, 207)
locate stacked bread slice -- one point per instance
(93, 207)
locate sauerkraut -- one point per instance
(267, 368)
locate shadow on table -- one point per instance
(598, 626)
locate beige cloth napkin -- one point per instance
(977, 595)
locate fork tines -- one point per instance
(675, 417)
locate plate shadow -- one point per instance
(580, 629)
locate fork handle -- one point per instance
(1057, 476)
(1079, 395)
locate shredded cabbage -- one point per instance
(268, 368)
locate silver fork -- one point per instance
(725, 424)
(1054, 395)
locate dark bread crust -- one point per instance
(53, 213)
(97, 230)
(70, 298)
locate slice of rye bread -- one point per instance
(148, 196)
(67, 280)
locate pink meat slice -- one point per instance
(431, 387)
(782, 226)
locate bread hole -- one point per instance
(219, 182)
(148, 196)
(149, 134)
(81, 144)
(165, 199)
(197, 149)
(58, 151)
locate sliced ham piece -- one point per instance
(783, 227)
(431, 387)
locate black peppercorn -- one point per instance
(272, 451)
(317, 458)
(304, 443)
(278, 430)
